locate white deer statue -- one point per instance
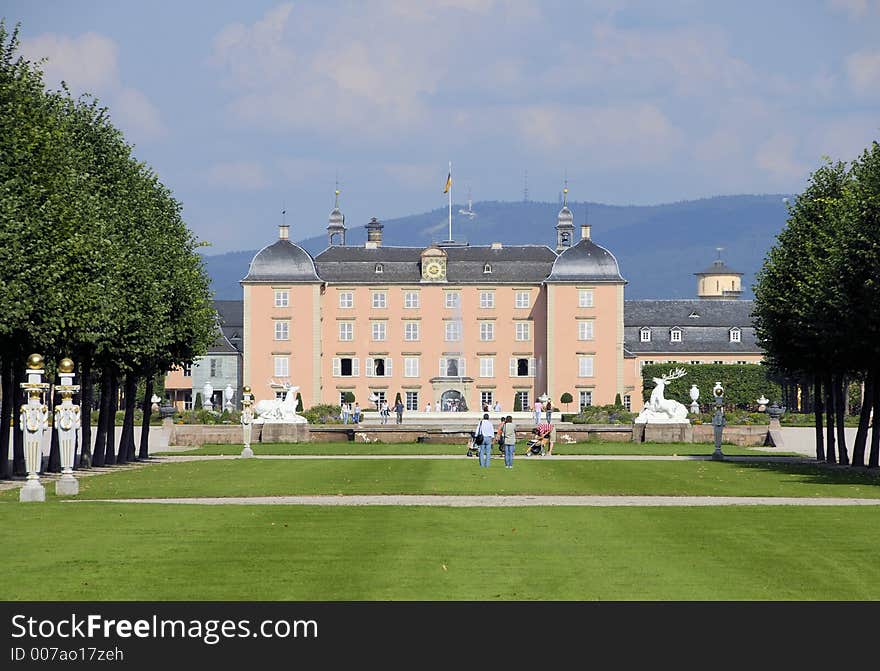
(663, 410)
(279, 410)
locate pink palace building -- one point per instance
(461, 326)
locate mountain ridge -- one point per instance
(658, 247)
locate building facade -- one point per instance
(459, 326)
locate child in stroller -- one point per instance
(537, 444)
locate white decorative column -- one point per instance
(34, 420)
(247, 418)
(67, 423)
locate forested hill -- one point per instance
(658, 247)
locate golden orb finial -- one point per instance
(35, 361)
(246, 389)
(66, 365)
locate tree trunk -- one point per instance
(110, 452)
(126, 440)
(101, 435)
(87, 396)
(18, 465)
(5, 415)
(840, 408)
(817, 412)
(145, 423)
(858, 456)
(874, 456)
(828, 388)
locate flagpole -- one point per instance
(450, 201)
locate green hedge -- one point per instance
(743, 383)
(601, 414)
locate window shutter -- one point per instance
(513, 368)
(337, 367)
(388, 367)
(355, 365)
(461, 369)
(370, 367)
(442, 367)
(532, 367)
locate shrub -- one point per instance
(348, 397)
(323, 414)
(299, 402)
(197, 405)
(566, 398)
(601, 414)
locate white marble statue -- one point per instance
(279, 410)
(228, 396)
(659, 410)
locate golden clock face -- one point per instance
(434, 270)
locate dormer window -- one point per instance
(487, 268)
(735, 334)
(675, 335)
(645, 335)
(693, 315)
(380, 268)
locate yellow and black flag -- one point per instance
(448, 182)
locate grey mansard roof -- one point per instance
(465, 265)
(705, 326)
(585, 262)
(282, 261)
(718, 267)
(230, 319)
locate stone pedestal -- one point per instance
(668, 433)
(247, 453)
(283, 432)
(67, 486)
(32, 491)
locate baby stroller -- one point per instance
(536, 446)
(473, 450)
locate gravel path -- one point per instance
(503, 501)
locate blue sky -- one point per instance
(247, 107)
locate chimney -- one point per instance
(496, 245)
(283, 232)
(374, 233)
(585, 232)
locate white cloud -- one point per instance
(238, 176)
(89, 64)
(855, 9)
(776, 157)
(863, 71)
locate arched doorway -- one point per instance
(453, 401)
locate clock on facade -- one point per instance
(434, 270)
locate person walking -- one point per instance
(346, 411)
(356, 414)
(483, 437)
(384, 412)
(548, 411)
(398, 408)
(509, 441)
(428, 407)
(538, 408)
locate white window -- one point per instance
(453, 331)
(187, 370)
(585, 298)
(453, 299)
(487, 299)
(585, 399)
(282, 366)
(451, 367)
(282, 298)
(487, 398)
(379, 330)
(380, 396)
(411, 299)
(346, 330)
(522, 299)
(412, 400)
(411, 366)
(522, 367)
(627, 401)
(487, 268)
(487, 331)
(522, 400)
(380, 299)
(735, 335)
(522, 331)
(378, 367)
(215, 367)
(487, 366)
(346, 299)
(345, 367)
(645, 335)
(675, 335)
(695, 362)
(282, 330)
(411, 331)
(585, 366)
(585, 329)
(380, 268)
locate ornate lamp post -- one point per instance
(247, 418)
(762, 403)
(718, 420)
(34, 420)
(67, 423)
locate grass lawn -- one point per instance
(114, 552)
(275, 477)
(437, 448)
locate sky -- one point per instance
(245, 109)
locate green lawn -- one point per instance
(428, 448)
(276, 477)
(113, 552)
